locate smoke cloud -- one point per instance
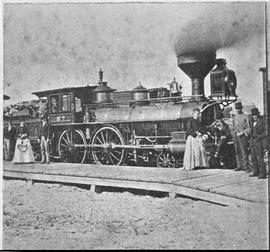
(220, 25)
(49, 46)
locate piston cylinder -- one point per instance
(177, 143)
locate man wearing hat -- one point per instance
(241, 130)
(9, 141)
(44, 138)
(224, 136)
(257, 135)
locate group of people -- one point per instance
(17, 146)
(248, 134)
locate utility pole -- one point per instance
(266, 88)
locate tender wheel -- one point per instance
(166, 160)
(68, 151)
(107, 153)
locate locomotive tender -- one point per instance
(143, 127)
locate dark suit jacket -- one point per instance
(258, 132)
(224, 136)
(193, 126)
(44, 130)
(10, 134)
(22, 130)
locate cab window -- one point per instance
(54, 104)
(78, 106)
(65, 103)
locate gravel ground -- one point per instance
(51, 216)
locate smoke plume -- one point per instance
(220, 25)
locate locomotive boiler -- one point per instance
(95, 123)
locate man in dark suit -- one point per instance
(257, 135)
(9, 141)
(44, 138)
(224, 136)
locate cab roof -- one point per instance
(63, 90)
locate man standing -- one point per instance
(257, 136)
(44, 138)
(224, 136)
(241, 130)
(9, 141)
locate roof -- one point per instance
(140, 88)
(103, 88)
(62, 90)
(22, 113)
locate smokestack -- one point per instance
(197, 65)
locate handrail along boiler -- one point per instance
(143, 127)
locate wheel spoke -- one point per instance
(68, 139)
(74, 155)
(107, 136)
(119, 152)
(103, 137)
(115, 157)
(108, 154)
(64, 145)
(71, 136)
(78, 154)
(114, 140)
(110, 137)
(65, 140)
(99, 140)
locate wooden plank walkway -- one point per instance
(225, 187)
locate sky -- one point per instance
(48, 46)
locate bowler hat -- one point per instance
(238, 105)
(254, 111)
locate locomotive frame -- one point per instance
(113, 141)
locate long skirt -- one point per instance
(23, 152)
(195, 154)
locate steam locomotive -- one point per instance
(143, 126)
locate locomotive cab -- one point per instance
(66, 105)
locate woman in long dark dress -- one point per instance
(23, 149)
(195, 154)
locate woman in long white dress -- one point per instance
(23, 149)
(195, 154)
